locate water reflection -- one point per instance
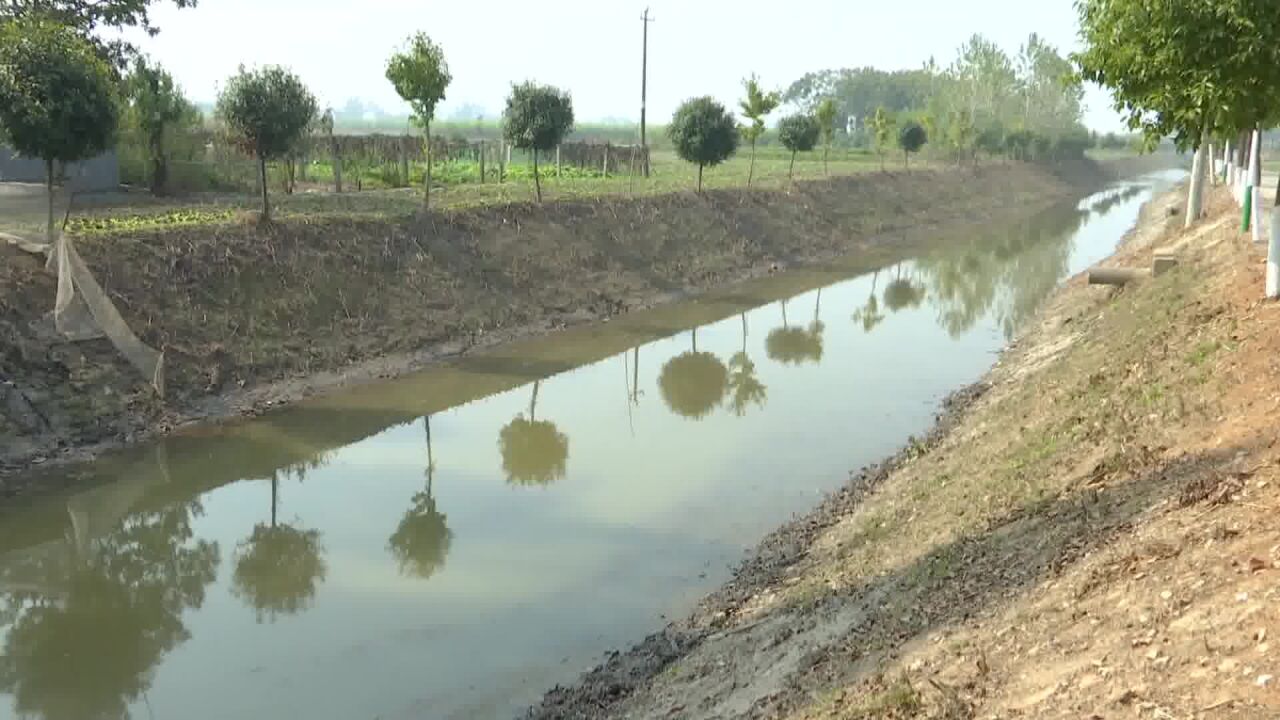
(90, 619)
(796, 345)
(1006, 274)
(534, 452)
(98, 591)
(745, 388)
(693, 383)
(869, 315)
(278, 567)
(421, 540)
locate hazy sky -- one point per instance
(590, 47)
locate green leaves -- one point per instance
(1181, 67)
(912, 137)
(703, 132)
(825, 116)
(267, 110)
(537, 117)
(155, 101)
(756, 106)
(420, 76)
(799, 133)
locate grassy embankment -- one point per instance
(1093, 536)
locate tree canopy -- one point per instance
(57, 100)
(798, 133)
(267, 111)
(420, 76)
(87, 16)
(1184, 67)
(537, 118)
(155, 105)
(756, 106)
(703, 133)
(912, 137)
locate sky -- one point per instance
(589, 47)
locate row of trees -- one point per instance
(1198, 71)
(985, 100)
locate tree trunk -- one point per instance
(791, 171)
(825, 150)
(48, 174)
(159, 169)
(906, 159)
(337, 166)
(882, 161)
(426, 184)
(533, 402)
(699, 178)
(695, 340)
(744, 333)
(537, 183)
(262, 177)
(1195, 193)
(751, 169)
(1255, 181)
(784, 313)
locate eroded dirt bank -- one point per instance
(1090, 533)
(250, 317)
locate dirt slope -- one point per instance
(249, 317)
(1090, 534)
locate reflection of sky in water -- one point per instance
(652, 510)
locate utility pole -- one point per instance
(644, 87)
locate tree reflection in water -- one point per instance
(745, 389)
(278, 568)
(693, 383)
(869, 315)
(534, 452)
(94, 617)
(796, 346)
(421, 540)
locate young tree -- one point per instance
(537, 118)
(911, 138)
(798, 133)
(56, 96)
(421, 76)
(704, 133)
(156, 104)
(267, 111)
(755, 107)
(883, 125)
(826, 117)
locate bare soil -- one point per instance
(251, 317)
(1090, 532)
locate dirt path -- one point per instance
(251, 319)
(1089, 534)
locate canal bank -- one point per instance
(1089, 532)
(250, 320)
(457, 541)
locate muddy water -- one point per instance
(452, 544)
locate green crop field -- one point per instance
(456, 185)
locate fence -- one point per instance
(208, 161)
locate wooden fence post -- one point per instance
(606, 161)
(482, 162)
(503, 155)
(557, 161)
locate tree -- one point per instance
(756, 106)
(267, 111)
(693, 383)
(703, 133)
(869, 315)
(798, 133)
(911, 138)
(825, 116)
(796, 345)
(533, 451)
(87, 16)
(56, 96)
(156, 105)
(537, 118)
(1185, 68)
(883, 124)
(421, 76)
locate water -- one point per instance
(452, 544)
